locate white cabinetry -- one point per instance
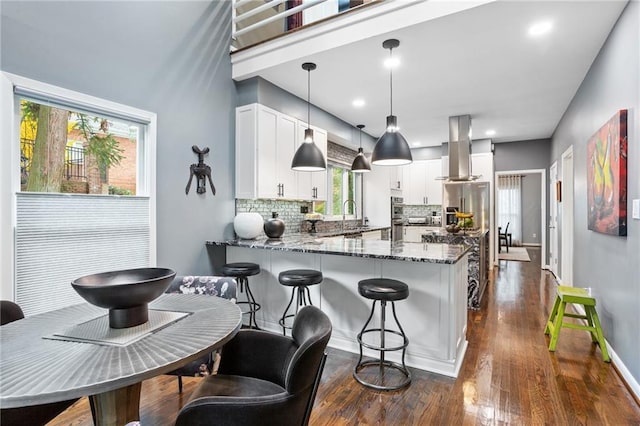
(434, 185)
(421, 185)
(266, 141)
(312, 185)
(415, 190)
(396, 177)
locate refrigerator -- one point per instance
(469, 197)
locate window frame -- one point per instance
(12, 88)
(357, 185)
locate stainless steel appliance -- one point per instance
(397, 212)
(469, 197)
(450, 215)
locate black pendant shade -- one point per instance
(308, 157)
(360, 163)
(392, 148)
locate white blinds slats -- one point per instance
(61, 237)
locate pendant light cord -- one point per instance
(391, 78)
(308, 99)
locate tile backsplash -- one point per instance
(421, 210)
(288, 211)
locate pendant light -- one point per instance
(308, 157)
(392, 148)
(360, 163)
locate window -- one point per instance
(342, 186)
(67, 151)
(80, 189)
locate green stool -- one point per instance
(582, 297)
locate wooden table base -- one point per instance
(117, 407)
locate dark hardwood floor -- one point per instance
(508, 375)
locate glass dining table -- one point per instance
(37, 367)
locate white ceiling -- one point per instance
(480, 61)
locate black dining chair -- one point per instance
(264, 378)
(224, 287)
(35, 414)
(504, 236)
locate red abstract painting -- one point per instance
(607, 177)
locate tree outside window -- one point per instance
(69, 151)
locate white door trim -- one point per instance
(543, 209)
(567, 214)
(553, 220)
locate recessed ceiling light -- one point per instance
(392, 62)
(540, 28)
(490, 132)
(358, 103)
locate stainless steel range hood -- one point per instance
(460, 149)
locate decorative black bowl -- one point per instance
(125, 293)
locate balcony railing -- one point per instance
(73, 161)
(256, 21)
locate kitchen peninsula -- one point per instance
(434, 317)
(478, 240)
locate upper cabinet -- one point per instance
(396, 177)
(266, 141)
(421, 185)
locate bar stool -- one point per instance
(580, 296)
(299, 279)
(241, 271)
(382, 290)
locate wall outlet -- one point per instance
(534, 235)
(304, 209)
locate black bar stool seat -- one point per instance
(382, 290)
(241, 271)
(299, 279)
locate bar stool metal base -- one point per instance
(381, 363)
(303, 299)
(243, 284)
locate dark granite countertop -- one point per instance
(359, 247)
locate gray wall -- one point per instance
(171, 58)
(266, 93)
(522, 155)
(608, 264)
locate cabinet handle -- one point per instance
(283, 189)
(398, 184)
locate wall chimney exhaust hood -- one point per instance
(460, 149)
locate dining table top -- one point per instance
(36, 370)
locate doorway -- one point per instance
(566, 224)
(541, 196)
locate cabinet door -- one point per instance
(395, 177)
(482, 164)
(433, 184)
(267, 179)
(319, 179)
(285, 149)
(415, 186)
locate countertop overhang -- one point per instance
(359, 247)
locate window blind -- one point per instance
(61, 237)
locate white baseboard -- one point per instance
(624, 372)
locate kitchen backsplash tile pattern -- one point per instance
(288, 211)
(421, 210)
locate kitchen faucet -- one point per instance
(344, 211)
